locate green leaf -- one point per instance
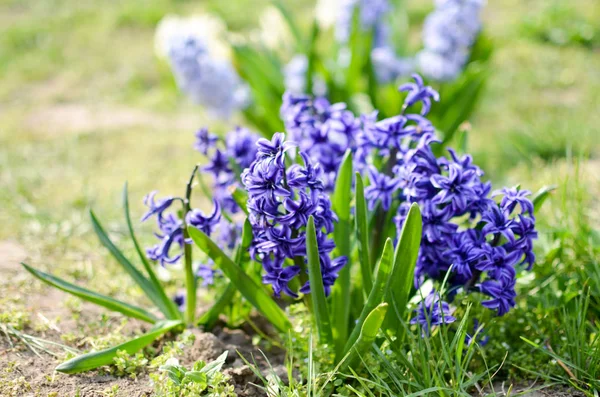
(240, 197)
(362, 235)
(94, 360)
(209, 318)
(405, 259)
(215, 366)
(541, 196)
(90, 296)
(167, 307)
(377, 294)
(135, 274)
(368, 333)
(340, 295)
(317, 291)
(249, 289)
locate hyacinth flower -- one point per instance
(478, 243)
(323, 131)
(200, 64)
(281, 199)
(449, 32)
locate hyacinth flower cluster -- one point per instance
(323, 131)
(467, 235)
(281, 199)
(205, 76)
(449, 32)
(371, 16)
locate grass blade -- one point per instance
(405, 259)
(368, 333)
(362, 235)
(209, 318)
(135, 274)
(340, 296)
(253, 292)
(94, 360)
(384, 269)
(168, 307)
(317, 291)
(94, 297)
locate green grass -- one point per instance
(75, 74)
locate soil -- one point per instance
(23, 373)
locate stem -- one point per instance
(190, 277)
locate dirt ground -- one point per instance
(24, 373)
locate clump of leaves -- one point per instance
(203, 379)
(129, 365)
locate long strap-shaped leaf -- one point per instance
(362, 235)
(137, 276)
(209, 318)
(94, 297)
(93, 360)
(377, 295)
(368, 333)
(317, 290)
(405, 259)
(249, 289)
(168, 307)
(340, 295)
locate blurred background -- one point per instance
(85, 105)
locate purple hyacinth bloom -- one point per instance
(205, 141)
(207, 274)
(203, 222)
(219, 166)
(179, 300)
(278, 276)
(455, 189)
(497, 222)
(502, 293)
(463, 254)
(156, 207)
(499, 263)
(307, 176)
(171, 232)
(273, 150)
(381, 189)
(513, 197)
(241, 146)
(432, 312)
(298, 211)
(418, 92)
(265, 180)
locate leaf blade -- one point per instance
(94, 360)
(405, 259)
(340, 296)
(91, 296)
(253, 292)
(377, 294)
(317, 290)
(362, 234)
(135, 274)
